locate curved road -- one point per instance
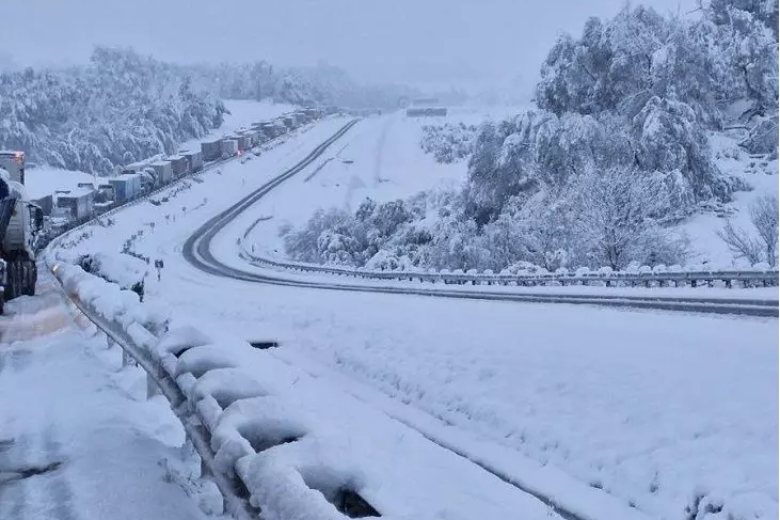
(197, 251)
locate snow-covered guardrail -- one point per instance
(229, 416)
(672, 277)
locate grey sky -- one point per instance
(415, 41)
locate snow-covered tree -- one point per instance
(121, 108)
(764, 216)
(616, 213)
(448, 143)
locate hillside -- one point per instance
(124, 107)
(629, 145)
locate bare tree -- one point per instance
(764, 216)
(740, 243)
(616, 215)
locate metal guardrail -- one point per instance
(752, 278)
(137, 343)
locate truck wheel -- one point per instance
(20, 275)
(13, 284)
(30, 278)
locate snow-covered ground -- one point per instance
(43, 180)
(78, 440)
(761, 175)
(655, 409)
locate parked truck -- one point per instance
(180, 165)
(229, 148)
(163, 171)
(195, 161)
(21, 226)
(211, 150)
(126, 187)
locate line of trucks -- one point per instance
(24, 225)
(136, 178)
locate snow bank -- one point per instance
(114, 304)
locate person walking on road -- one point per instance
(159, 265)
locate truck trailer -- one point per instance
(195, 160)
(79, 203)
(163, 171)
(229, 148)
(126, 187)
(211, 150)
(179, 164)
(21, 226)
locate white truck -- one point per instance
(21, 225)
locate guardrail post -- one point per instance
(109, 341)
(126, 359)
(151, 387)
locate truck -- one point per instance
(78, 203)
(163, 171)
(426, 112)
(211, 150)
(229, 148)
(242, 142)
(21, 227)
(126, 187)
(195, 161)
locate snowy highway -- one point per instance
(564, 401)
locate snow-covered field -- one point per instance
(655, 409)
(78, 440)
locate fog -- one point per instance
(420, 42)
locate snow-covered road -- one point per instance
(654, 409)
(78, 440)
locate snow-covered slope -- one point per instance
(760, 174)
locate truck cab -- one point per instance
(21, 229)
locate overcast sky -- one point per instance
(412, 41)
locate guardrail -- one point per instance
(747, 278)
(138, 340)
(201, 380)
